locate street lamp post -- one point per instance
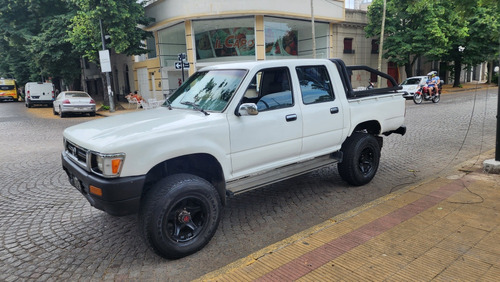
(493, 165)
(381, 45)
(313, 31)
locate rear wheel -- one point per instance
(417, 98)
(361, 157)
(180, 215)
(61, 114)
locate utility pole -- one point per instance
(108, 80)
(497, 143)
(381, 46)
(493, 165)
(313, 30)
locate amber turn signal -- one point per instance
(95, 190)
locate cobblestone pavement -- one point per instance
(48, 231)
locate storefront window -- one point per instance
(151, 45)
(286, 38)
(171, 42)
(225, 39)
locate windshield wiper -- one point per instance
(196, 107)
(167, 103)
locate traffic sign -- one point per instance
(181, 56)
(178, 65)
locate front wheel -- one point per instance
(361, 157)
(417, 98)
(180, 215)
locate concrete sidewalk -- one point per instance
(442, 229)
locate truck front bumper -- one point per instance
(120, 196)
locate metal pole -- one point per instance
(381, 46)
(108, 80)
(313, 30)
(182, 70)
(497, 146)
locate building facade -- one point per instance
(221, 31)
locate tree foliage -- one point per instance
(34, 42)
(435, 28)
(46, 38)
(120, 20)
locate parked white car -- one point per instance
(411, 85)
(73, 102)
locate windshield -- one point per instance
(6, 87)
(209, 90)
(410, 81)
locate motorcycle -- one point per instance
(422, 94)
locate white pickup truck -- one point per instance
(228, 129)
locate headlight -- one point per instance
(107, 165)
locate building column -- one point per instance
(260, 41)
(331, 50)
(188, 24)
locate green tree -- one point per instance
(481, 42)
(14, 56)
(413, 28)
(121, 20)
(435, 28)
(34, 40)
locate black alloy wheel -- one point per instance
(179, 215)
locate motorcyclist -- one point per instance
(433, 82)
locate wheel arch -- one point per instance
(371, 126)
(202, 165)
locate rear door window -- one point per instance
(315, 84)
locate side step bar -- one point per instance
(279, 174)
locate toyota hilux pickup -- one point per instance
(228, 129)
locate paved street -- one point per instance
(49, 231)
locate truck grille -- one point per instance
(77, 154)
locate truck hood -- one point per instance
(119, 131)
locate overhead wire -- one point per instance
(474, 104)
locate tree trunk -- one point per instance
(408, 70)
(457, 69)
(490, 71)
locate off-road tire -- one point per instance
(179, 215)
(361, 157)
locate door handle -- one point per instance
(291, 117)
(334, 110)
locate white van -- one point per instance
(39, 93)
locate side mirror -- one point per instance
(248, 109)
